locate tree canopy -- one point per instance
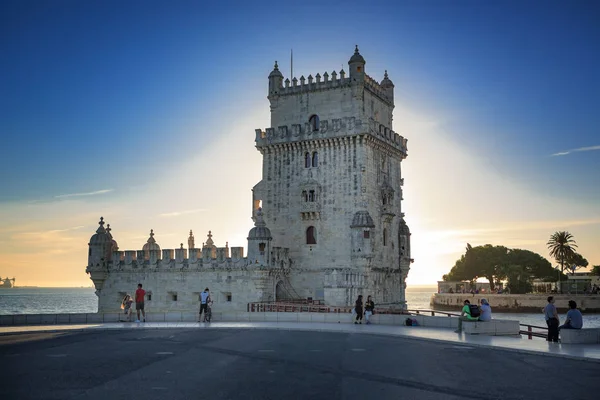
(562, 247)
(498, 263)
(575, 262)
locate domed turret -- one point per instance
(357, 66)
(361, 226)
(100, 237)
(260, 230)
(259, 241)
(404, 240)
(114, 245)
(275, 80)
(151, 243)
(100, 246)
(388, 87)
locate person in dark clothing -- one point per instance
(552, 320)
(358, 307)
(369, 307)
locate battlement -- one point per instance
(327, 82)
(338, 127)
(375, 87)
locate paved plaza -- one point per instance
(182, 361)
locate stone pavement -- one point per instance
(590, 352)
(182, 363)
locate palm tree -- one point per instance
(562, 247)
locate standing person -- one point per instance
(204, 300)
(369, 307)
(358, 306)
(486, 311)
(140, 294)
(574, 318)
(551, 316)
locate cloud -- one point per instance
(564, 153)
(54, 231)
(62, 196)
(178, 213)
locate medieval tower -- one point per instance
(331, 188)
(327, 213)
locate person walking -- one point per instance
(358, 306)
(369, 307)
(204, 300)
(551, 316)
(140, 295)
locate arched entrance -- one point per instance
(280, 292)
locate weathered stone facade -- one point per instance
(328, 215)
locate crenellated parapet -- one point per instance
(375, 87)
(326, 81)
(177, 259)
(329, 129)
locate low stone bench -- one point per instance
(495, 327)
(585, 335)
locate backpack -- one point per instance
(474, 309)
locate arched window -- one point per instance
(261, 248)
(305, 196)
(311, 235)
(311, 195)
(314, 122)
(307, 160)
(385, 237)
(315, 159)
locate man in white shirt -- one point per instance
(204, 299)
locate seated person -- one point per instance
(486, 311)
(574, 318)
(469, 313)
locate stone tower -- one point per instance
(331, 187)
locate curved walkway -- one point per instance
(538, 346)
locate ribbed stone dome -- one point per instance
(386, 82)
(260, 230)
(362, 219)
(275, 72)
(101, 236)
(151, 243)
(356, 57)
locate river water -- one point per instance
(83, 300)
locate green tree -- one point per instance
(480, 262)
(562, 247)
(518, 278)
(575, 262)
(596, 270)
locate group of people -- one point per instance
(574, 319)
(473, 312)
(369, 307)
(140, 295)
(127, 302)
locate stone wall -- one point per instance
(231, 290)
(515, 302)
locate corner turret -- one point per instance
(388, 87)
(259, 241)
(99, 247)
(357, 67)
(275, 81)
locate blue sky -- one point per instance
(103, 100)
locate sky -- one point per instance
(144, 112)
